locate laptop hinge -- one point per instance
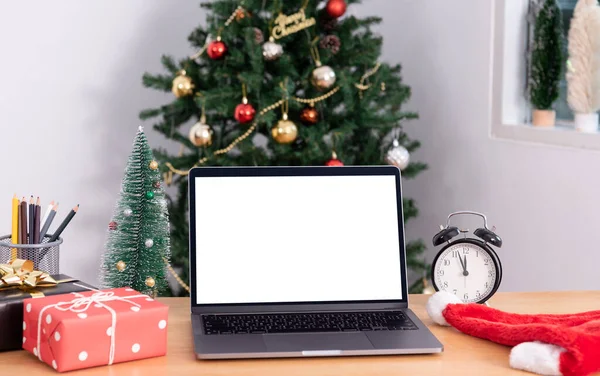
(298, 308)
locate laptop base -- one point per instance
(295, 345)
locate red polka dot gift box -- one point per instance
(94, 328)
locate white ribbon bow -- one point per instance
(82, 304)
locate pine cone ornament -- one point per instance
(258, 36)
(331, 43)
(328, 23)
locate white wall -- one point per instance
(543, 199)
(72, 90)
(71, 93)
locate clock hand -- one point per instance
(462, 264)
(465, 272)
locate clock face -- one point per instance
(467, 270)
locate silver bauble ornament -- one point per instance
(127, 212)
(149, 243)
(398, 156)
(323, 77)
(271, 50)
(201, 134)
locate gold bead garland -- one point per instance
(252, 128)
(230, 146)
(317, 99)
(361, 85)
(174, 274)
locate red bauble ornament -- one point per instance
(309, 116)
(335, 8)
(244, 113)
(216, 49)
(112, 226)
(334, 162)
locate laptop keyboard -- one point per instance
(306, 322)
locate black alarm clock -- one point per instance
(466, 266)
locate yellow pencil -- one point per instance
(15, 226)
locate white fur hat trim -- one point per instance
(437, 303)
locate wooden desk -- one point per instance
(463, 355)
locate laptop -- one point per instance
(300, 262)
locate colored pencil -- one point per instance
(31, 219)
(19, 224)
(47, 213)
(36, 222)
(23, 223)
(48, 222)
(15, 226)
(64, 224)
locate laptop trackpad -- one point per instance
(317, 341)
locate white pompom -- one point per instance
(437, 303)
(537, 357)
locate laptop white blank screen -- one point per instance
(297, 239)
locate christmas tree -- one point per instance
(547, 56)
(281, 83)
(138, 244)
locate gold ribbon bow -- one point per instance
(20, 273)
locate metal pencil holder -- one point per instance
(45, 256)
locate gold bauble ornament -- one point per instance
(150, 282)
(201, 133)
(285, 131)
(153, 165)
(121, 265)
(182, 85)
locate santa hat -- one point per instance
(566, 345)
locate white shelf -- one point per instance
(562, 135)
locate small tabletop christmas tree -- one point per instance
(138, 236)
(547, 59)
